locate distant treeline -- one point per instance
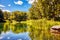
(16, 15)
(49, 9)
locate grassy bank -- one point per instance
(42, 22)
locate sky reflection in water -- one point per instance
(12, 36)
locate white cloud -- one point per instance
(2, 5)
(18, 2)
(6, 10)
(30, 1)
(9, 5)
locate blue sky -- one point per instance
(13, 5)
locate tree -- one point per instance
(1, 16)
(6, 15)
(36, 10)
(19, 16)
(49, 9)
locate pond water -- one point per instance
(22, 31)
(9, 31)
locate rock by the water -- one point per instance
(55, 29)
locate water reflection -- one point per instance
(41, 32)
(9, 35)
(17, 28)
(9, 31)
(19, 31)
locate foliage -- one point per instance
(39, 29)
(16, 15)
(6, 15)
(49, 9)
(19, 16)
(1, 16)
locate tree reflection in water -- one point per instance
(13, 31)
(36, 31)
(41, 32)
(16, 28)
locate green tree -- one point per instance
(19, 16)
(1, 16)
(7, 15)
(36, 10)
(49, 9)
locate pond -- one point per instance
(23, 31)
(9, 31)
